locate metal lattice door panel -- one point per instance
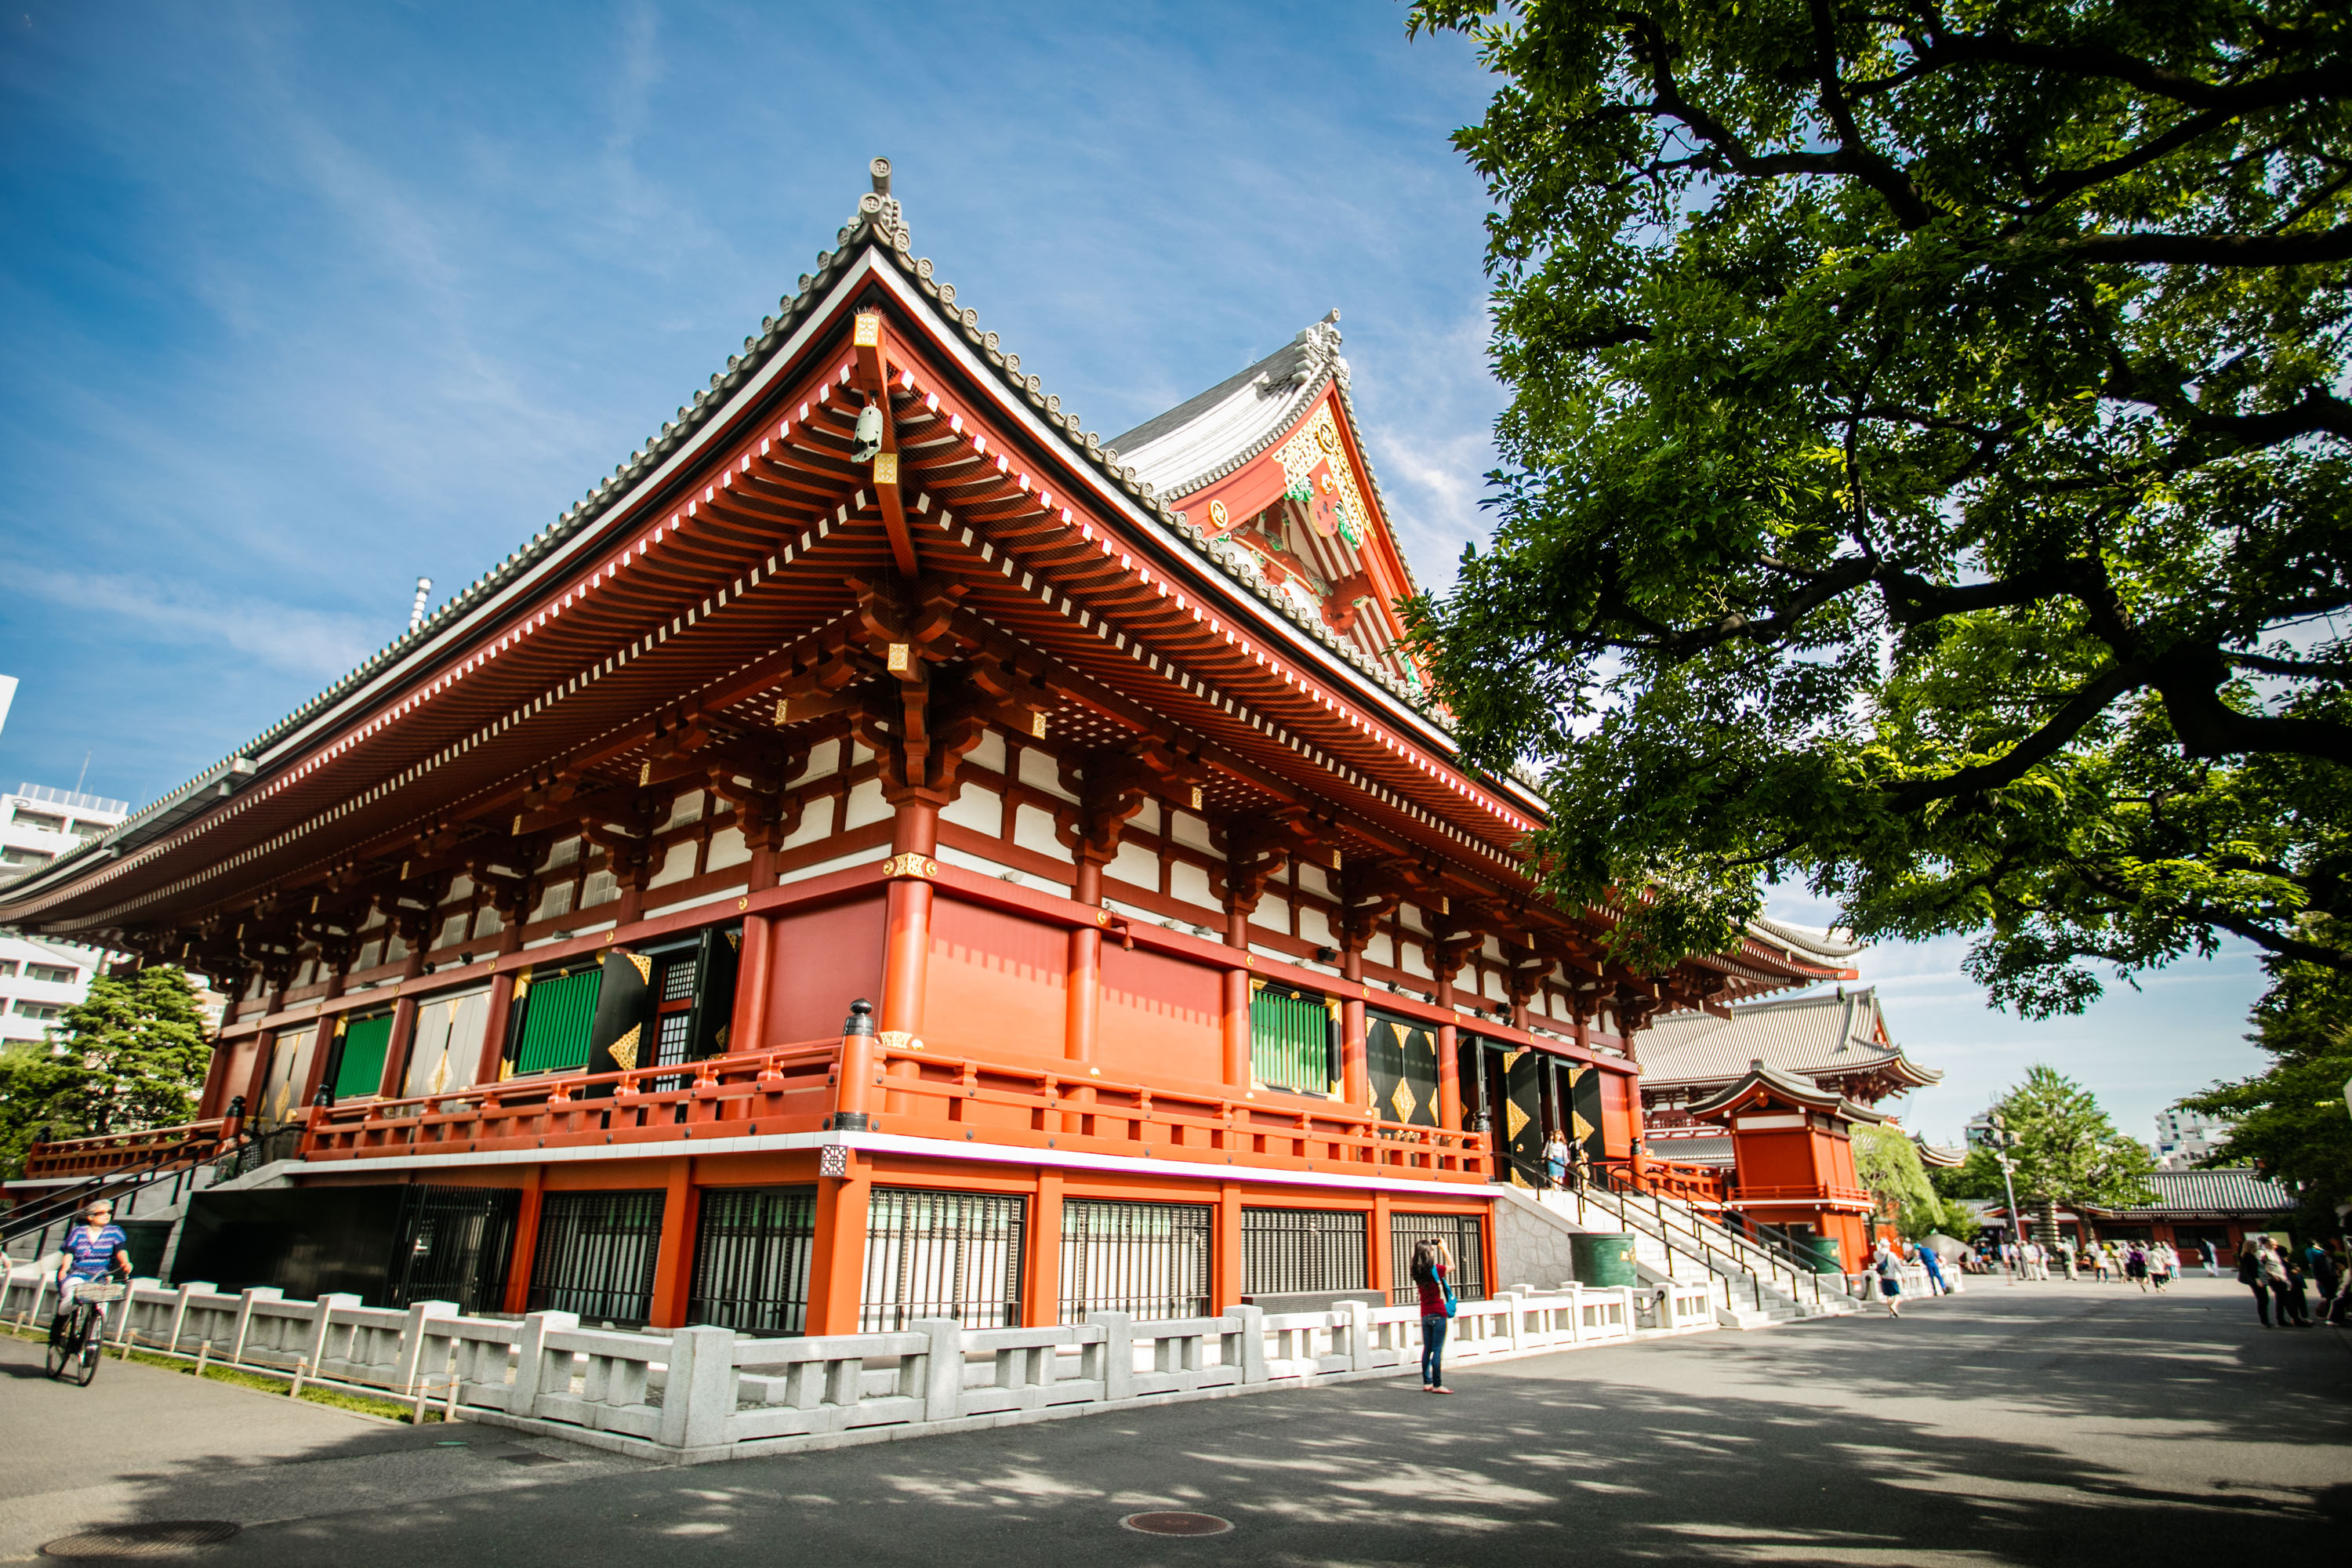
(1464, 1235)
(751, 1249)
(1402, 1058)
(941, 1255)
(596, 1254)
(1522, 1129)
(1149, 1260)
(1285, 1251)
(455, 1244)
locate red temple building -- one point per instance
(886, 850)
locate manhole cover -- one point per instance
(149, 1537)
(1172, 1523)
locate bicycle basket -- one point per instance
(98, 1294)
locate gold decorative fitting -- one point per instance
(1258, 983)
(869, 330)
(1402, 1101)
(404, 865)
(1038, 724)
(644, 774)
(885, 467)
(625, 1049)
(902, 658)
(642, 964)
(719, 1039)
(910, 866)
(1445, 906)
(1217, 512)
(1198, 798)
(1094, 1072)
(894, 1039)
(735, 938)
(783, 709)
(515, 831)
(1328, 438)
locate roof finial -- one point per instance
(880, 169)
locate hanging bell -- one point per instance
(870, 434)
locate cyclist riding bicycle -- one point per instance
(94, 1248)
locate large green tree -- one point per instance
(129, 1055)
(1926, 476)
(2066, 1153)
(2290, 1121)
(1888, 1164)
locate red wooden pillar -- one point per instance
(1084, 1003)
(1449, 1059)
(1355, 1071)
(526, 1245)
(674, 1258)
(494, 1028)
(1044, 1307)
(838, 1251)
(1237, 1006)
(256, 1082)
(906, 939)
(747, 1028)
(1227, 1254)
(395, 1049)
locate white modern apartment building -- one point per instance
(39, 980)
(38, 825)
(2184, 1139)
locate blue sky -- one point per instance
(301, 302)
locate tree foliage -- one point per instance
(2067, 1154)
(1887, 1163)
(2290, 1121)
(1926, 471)
(129, 1055)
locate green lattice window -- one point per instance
(556, 1017)
(359, 1068)
(1290, 1039)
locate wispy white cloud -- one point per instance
(306, 642)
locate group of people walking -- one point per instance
(2151, 1266)
(2279, 1275)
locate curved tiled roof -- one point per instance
(2233, 1189)
(1816, 1037)
(879, 223)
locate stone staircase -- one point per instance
(1749, 1286)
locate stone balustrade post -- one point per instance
(314, 1357)
(410, 1366)
(1118, 1353)
(246, 1299)
(942, 1367)
(1252, 1361)
(1358, 1317)
(699, 1397)
(530, 1358)
(179, 1308)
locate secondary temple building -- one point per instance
(889, 851)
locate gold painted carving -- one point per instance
(625, 1049)
(902, 658)
(885, 467)
(910, 866)
(643, 965)
(869, 330)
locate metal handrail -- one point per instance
(1800, 1279)
(26, 1219)
(1707, 1253)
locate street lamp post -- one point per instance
(2003, 1140)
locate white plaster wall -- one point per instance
(981, 810)
(678, 864)
(726, 848)
(1040, 771)
(989, 753)
(1188, 829)
(1135, 865)
(1033, 829)
(1191, 884)
(866, 805)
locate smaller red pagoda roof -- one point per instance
(1766, 1087)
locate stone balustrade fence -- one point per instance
(694, 1394)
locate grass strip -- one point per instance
(238, 1377)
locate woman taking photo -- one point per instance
(1432, 1271)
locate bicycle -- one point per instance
(77, 1335)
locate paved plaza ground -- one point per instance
(2038, 1423)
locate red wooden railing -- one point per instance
(1702, 1185)
(788, 1089)
(931, 1094)
(919, 1094)
(107, 1151)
